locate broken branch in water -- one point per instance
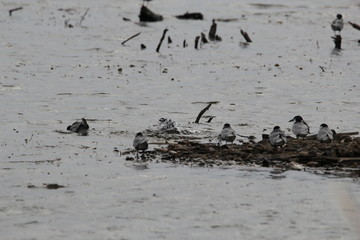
(202, 112)
(184, 43)
(209, 120)
(161, 40)
(337, 40)
(197, 42)
(15, 9)
(83, 16)
(245, 35)
(354, 25)
(212, 32)
(130, 38)
(203, 38)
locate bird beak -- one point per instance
(292, 120)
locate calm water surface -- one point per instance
(52, 75)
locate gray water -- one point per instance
(52, 75)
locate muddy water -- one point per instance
(52, 75)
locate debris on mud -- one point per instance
(298, 154)
(47, 186)
(191, 16)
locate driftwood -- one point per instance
(185, 44)
(148, 16)
(197, 41)
(337, 40)
(202, 112)
(212, 32)
(169, 40)
(203, 38)
(245, 35)
(193, 16)
(161, 40)
(130, 38)
(14, 9)
(354, 25)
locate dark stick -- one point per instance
(209, 120)
(354, 25)
(13, 10)
(184, 43)
(130, 38)
(197, 41)
(212, 32)
(169, 40)
(83, 16)
(203, 38)
(202, 112)
(245, 35)
(337, 41)
(161, 40)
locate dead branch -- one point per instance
(197, 42)
(131, 38)
(161, 40)
(15, 9)
(245, 35)
(83, 16)
(337, 40)
(202, 112)
(354, 25)
(212, 32)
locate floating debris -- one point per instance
(192, 16)
(146, 15)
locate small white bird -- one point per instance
(325, 135)
(337, 24)
(79, 127)
(300, 127)
(140, 143)
(277, 137)
(227, 134)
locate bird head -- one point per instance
(297, 119)
(226, 125)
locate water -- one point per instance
(52, 75)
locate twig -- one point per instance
(354, 25)
(245, 35)
(202, 112)
(14, 9)
(161, 40)
(131, 38)
(83, 16)
(209, 120)
(184, 43)
(197, 42)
